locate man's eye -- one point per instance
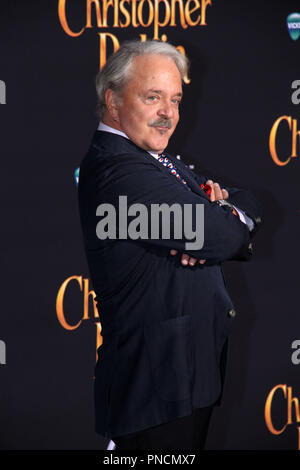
(152, 98)
(177, 102)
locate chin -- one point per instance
(161, 145)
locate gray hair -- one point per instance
(115, 72)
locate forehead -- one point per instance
(154, 71)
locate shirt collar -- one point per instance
(106, 128)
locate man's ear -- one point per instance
(111, 104)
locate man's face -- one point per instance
(148, 111)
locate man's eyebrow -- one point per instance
(159, 92)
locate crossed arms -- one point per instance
(225, 236)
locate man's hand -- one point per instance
(186, 259)
(216, 193)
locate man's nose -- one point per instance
(165, 109)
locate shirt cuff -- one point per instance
(245, 219)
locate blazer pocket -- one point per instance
(168, 343)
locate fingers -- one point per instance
(212, 194)
(186, 259)
(192, 261)
(216, 192)
(225, 194)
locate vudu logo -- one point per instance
(2, 352)
(2, 92)
(293, 24)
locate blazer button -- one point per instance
(250, 248)
(232, 313)
(257, 220)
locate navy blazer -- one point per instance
(164, 326)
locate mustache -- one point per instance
(161, 123)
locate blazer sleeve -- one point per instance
(131, 175)
(243, 199)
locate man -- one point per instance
(164, 310)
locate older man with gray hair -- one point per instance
(164, 310)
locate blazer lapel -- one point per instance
(122, 144)
(184, 171)
(192, 184)
(188, 176)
